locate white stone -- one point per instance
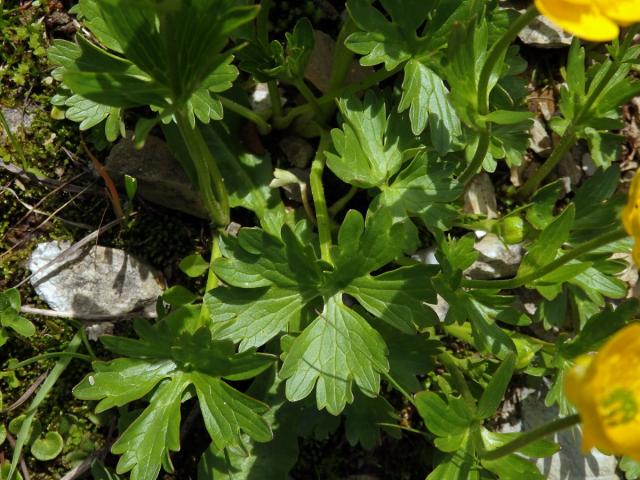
(496, 260)
(93, 281)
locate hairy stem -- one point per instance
(212, 279)
(210, 181)
(317, 190)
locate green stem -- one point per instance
(212, 279)
(569, 137)
(276, 100)
(263, 127)
(311, 99)
(478, 157)
(210, 181)
(458, 378)
(531, 436)
(317, 191)
(44, 390)
(398, 387)
(581, 249)
(363, 84)
(342, 202)
(496, 54)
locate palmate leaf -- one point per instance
(169, 358)
(427, 98)
(424, 189)
(371, 145)
(269, 293)
(338, 348)
(175, 43)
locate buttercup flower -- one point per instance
(631, 216)
(605, 388)
(595, 20)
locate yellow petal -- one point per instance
(623, 12)
(583, 20)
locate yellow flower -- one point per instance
(631, 216)
(595, 20)
(605, 388)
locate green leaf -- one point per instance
(630, 467)
(173, 355)
(261, 461)
(47, 448)
(545, 249)
(599, 328)
(460, 465)
(539, 448)
(178, 295)
(150, 438)
(226, 412)
(398, 297)
(496, 388)
(368, 151)
(441, 418)
(427, 98)
(363, 418)
(338, 348)
(386, 40)
(425, 188)
(101, 77)
(194, 265)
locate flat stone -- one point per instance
(496, 260)
(93, 281)
(480, 197)
(569, 463)
(161, 179)
(542, 33)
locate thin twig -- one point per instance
(42, 224)
(29, 177)
(34, 209)
(87, 316)
(73, 248)
(27, 394)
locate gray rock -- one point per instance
(569, 463)
(161, 179)
(480, 197)
(542, 33)
(94, 281)
(496, 260)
